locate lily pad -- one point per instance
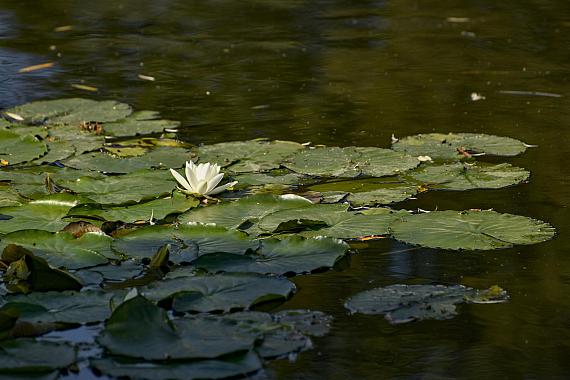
(290, 219)
(217, 292)
(44, 214)
(71, 111)
(157, 208)
(61, 249)
(139, 123)
(187, 242)
(169, 339)
(449, 146)
(463, 176)
(248, 156)
(234, 214)
(290, 255)
(471, 230)
(29, 355)
(56, 151)
(407, 303)
(10, 197)
(73, 135)
(238, 365)
(16, 149)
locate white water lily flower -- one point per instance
(201, 179)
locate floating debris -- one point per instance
(63, 28)
(458, 19)
(476, 97)
(531, 93)
(40, 66)
(84, 87)
(424, 159)
(14, 116)
(146, 77)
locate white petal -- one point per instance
(202, 170)
(191, 174)
(202, 186)
(181, 180)
(213, 182)
(218, 190)
(212, 172)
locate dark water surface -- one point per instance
(353, 73)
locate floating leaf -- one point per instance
(29, 355)
(451, 145)
(139, 123)
(470, 230)
(56, 151)
(62, 249)
(296, 219)
(290, 255)
(10, 197)
(187, 242)
(218, 292)
(407, 303)
(71, 111)
(16, 149)
(463, 176)
(80, 139)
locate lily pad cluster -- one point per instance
(94, 233)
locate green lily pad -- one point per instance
(169, 339)
(277, 177)
(29, 355)
(217, 292)
(81, 140)
(66, 307)
(471, 230)
(71, 111)
(10, 197)
(161, 158)
(139, 123)
(297, 219)
(234, 214)
(463, 176)
(187, 242)
(447, 146)
(56, 151)
(42, 214)
(114, 272)
(378, 162)
(16, 149)
(129, 188)
(248, 156)
(238, 365)
(407, 303)
(157, 208)
(290, 255)
(62, 249)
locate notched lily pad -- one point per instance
(139, 123)
(15, 149)
(32, 356)
(471, 230)
(408, 303)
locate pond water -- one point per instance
(352, 73)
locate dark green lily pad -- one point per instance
(56, 151)
(290, 255)
(290, 219)
(29, 355)
(80, 139)
(71, 111)
(157, 208)
(219, 292)
(66, 307)
(238, 365)
(408, 303)
(62, 249)
(234, 214)
(139, 123)
(187, 242)
(448, 146)
(43, 214)
(15, 149)
(463, 176)
(169, 339)
(10, 197)
(248, 156)
(470, 230)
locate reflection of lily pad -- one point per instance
(139, 123)
(71, 111)
(248, 156)
(470, 230)
(234, 214)
(61, 249)
(219, 292)
(462, 176)
(448, 146)
(187, 242)
(407, 303)
(290, 255)
(16, 149)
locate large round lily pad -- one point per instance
(452, 145)
(139, 123)
(472, 230)
(29, 355)
(15, 149)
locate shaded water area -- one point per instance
(353, 73)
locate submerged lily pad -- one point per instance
(463, 176)
(407, 303)
(15, 149)
(472, 230)
(139, 123)
(218, 292)
(290, 255)
(248, 156)
(29, 355)
(450, 146)
(71, 111)
(187, 242)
